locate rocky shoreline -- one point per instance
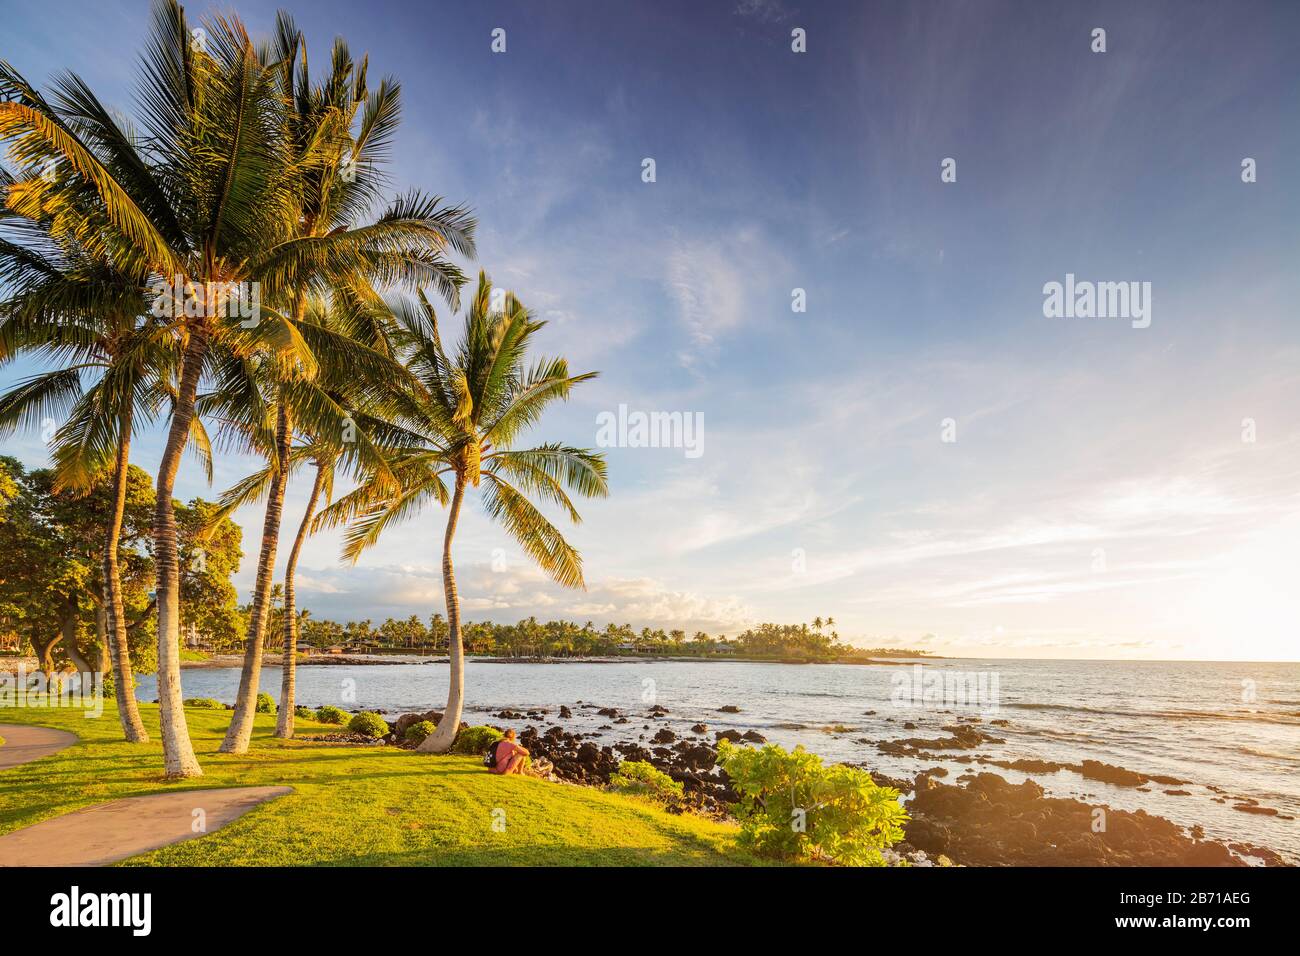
(979, 820)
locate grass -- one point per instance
(355, 806)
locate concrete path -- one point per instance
(24, 744)
(124, 828)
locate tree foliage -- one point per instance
(51, 568)
(794, 808)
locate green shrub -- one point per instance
(475, 740)
(637, 776)
(793, 808)
(306, 713)
(417, 732)
(205, 702)
(265, 703)
(368, 724)
(331, 715)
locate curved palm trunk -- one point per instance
(284, 723)
(119, 653)
(440, 741)
(241, 724)
(101, 636)
(178, 753)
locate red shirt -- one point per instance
(505, 750)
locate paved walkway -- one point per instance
(24, 744)
(113, 831)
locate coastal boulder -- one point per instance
(699, 757)
(408, 720)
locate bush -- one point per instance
(637, 776)
(417, 732)
(306, 713)
(265, 703)
(793, 808)
(331, 715)
(476, 740)
(368, 724)
(207, 703)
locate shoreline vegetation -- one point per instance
(358, 806)
(342, 779)
(323, 660)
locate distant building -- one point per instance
(194, 640)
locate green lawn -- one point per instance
(355, 806)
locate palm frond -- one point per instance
(529, 527)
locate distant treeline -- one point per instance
(533, 638)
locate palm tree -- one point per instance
(340, 417)
(322, 484)
(338, 181)
(213, 199)
(69, 305)
(468, 411)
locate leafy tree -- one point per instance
(210, 552)
(794, 808)
(51, 567)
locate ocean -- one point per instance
(1231, 726)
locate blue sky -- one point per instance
(1099, 499)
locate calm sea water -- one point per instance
(1235, 726)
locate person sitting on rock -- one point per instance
(511, 757)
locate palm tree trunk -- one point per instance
(101, 636)
(178, 752)
(440, 741)
(284, 723)
(241, 724)
(119, 652)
